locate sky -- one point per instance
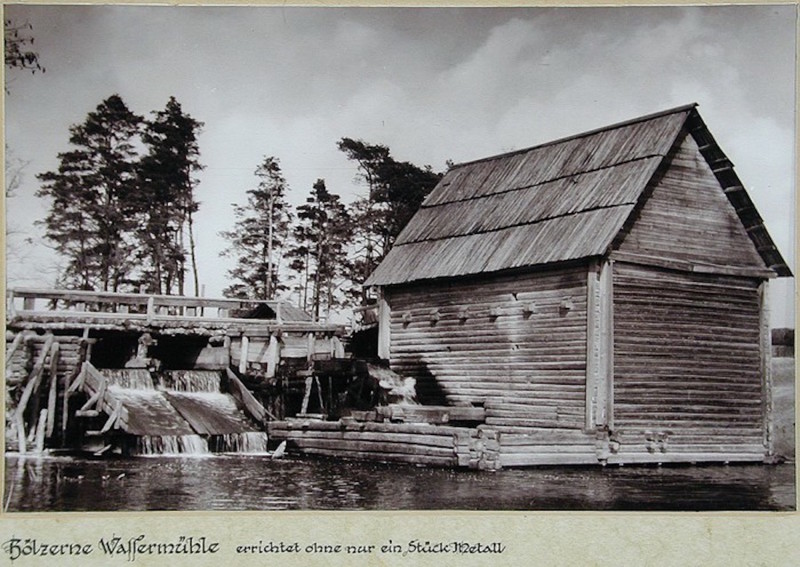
(433, 84)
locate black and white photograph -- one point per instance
(515, 259)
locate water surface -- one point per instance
(255, 482)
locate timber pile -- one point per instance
(420, 444)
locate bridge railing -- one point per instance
(22, 301)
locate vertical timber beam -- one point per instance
(765, 348)
(593, 321)
(384, 326)
(226, 351)
(52, 394)
(607, 338)
(243, 355)
(273, 355)
(600, 347)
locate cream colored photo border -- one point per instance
(530, 538)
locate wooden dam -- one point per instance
(135, 373)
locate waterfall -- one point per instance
(182, 412)
(246, 442)
(190, 380)
(131, 378)
(171, 445)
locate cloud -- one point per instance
(432, 84)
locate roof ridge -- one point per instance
(675, 110)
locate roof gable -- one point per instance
(564, 200)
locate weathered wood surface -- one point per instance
(495, 337)
(430, 414)
(129, 311)
(556, 202)
(151, 305)
(242, 395)
(409, 443)
(688, 218)
(687, 351)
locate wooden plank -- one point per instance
(240, 392)
(673, 264)
(18, 338)
(113, 419)
(52, 394)
(32, 385)
(41, 430)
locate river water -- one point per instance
(255, 482)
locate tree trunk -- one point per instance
(269, 248)
(193, 253)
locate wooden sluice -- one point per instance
(68, 352)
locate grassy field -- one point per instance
(783, 396)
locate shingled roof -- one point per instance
(564, 200)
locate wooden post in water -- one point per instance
(41, 430)
(52, 395)
(30, 387)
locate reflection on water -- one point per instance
(240, 482)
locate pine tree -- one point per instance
(258, 238)
(320, 240)
(395, 192)
(167, 202)
(91, 215)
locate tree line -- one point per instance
(122, 209)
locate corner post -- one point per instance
(600, 347)
(765, 348)
(384, 325)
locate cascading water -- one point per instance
(182, 412)
(246, 442)
(171, 445)
(190, 380)
(130, 378)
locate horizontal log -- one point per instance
(546, 438)
(423, 429)
(533, 459)
(374, 447)
(550, 449)
(642, 458)
(376, 437)
(538, 423)
(426, 460)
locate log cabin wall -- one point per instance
(689, 370)
(687, 362)
(516, 343)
